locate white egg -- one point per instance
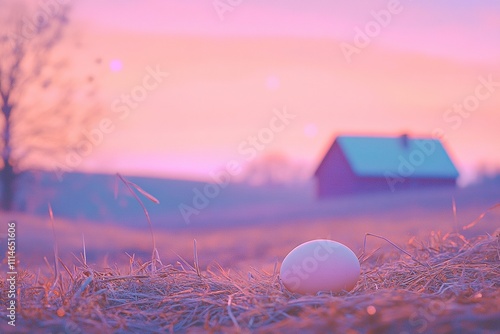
(320, 265)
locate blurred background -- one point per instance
(245, 98)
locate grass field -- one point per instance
(450, 284)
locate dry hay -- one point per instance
(450, 284)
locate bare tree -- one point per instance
(41, 107)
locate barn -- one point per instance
(360, 164)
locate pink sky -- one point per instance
(225, 78)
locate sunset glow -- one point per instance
(407, 65)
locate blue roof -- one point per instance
(377, 156)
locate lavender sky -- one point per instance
(340, 67)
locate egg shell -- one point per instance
(320, 265)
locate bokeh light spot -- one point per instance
(272, 82)
(116, 65)
(310, 130)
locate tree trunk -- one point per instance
(8, 187)
(8, 174)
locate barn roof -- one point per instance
(376, 156)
